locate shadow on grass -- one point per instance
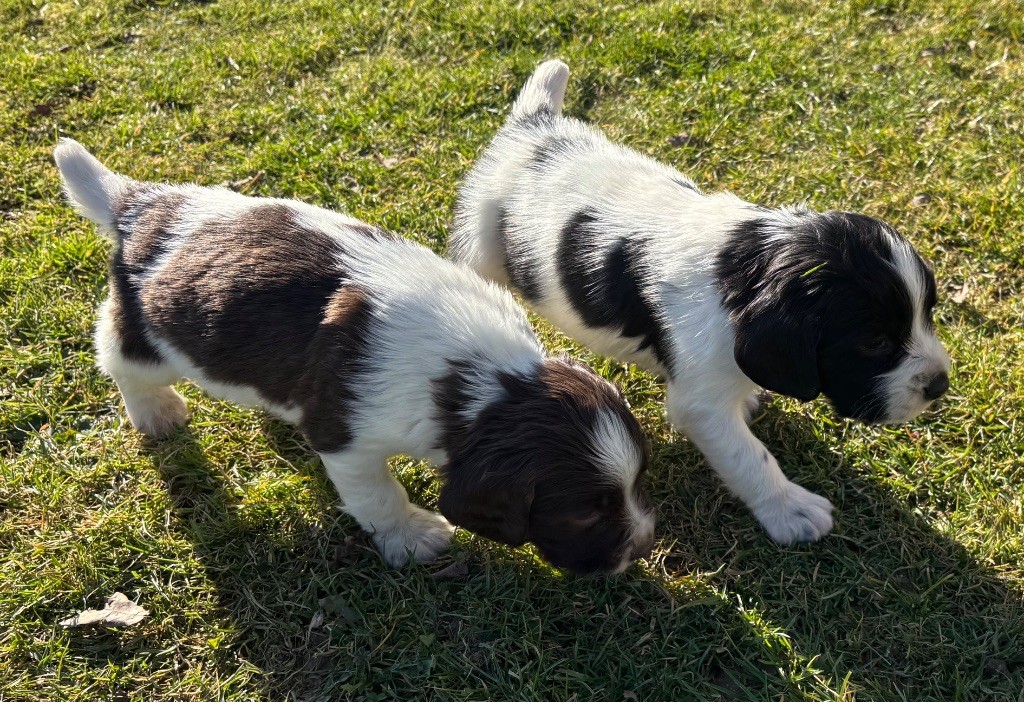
(886, 605)
(904, 611)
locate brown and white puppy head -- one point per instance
(557, 460)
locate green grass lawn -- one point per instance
(228, 533)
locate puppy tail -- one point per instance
(90, 186)
(543, 92)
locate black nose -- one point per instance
(937, 386)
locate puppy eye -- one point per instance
(877, 345)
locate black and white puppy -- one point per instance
(714, 293)
(373, 346)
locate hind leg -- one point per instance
(154, 408)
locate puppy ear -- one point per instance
(778, 351)
(495, 509)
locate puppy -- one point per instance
(717, 295)
(373, 346)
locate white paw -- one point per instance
(157, 414)
(795, 515)
(423, 536)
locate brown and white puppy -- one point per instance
(373, 346)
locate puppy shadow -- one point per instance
(303, 599)
(886, 599)
(307, 601)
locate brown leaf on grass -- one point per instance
(921, 199)
(118, 611)
(961, 293)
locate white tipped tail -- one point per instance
(90, 186)
(543, 92)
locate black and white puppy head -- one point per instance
(839, 304)
(558, 461)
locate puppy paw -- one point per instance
(795, 515)
(423, 537)
(157, 414)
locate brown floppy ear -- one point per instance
(498, 510)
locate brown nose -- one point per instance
(937, 386)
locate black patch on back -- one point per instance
(519, 264)
(610, 294)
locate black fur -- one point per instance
(523, 468)
(610, 294)
(822, 311)
(520, 267)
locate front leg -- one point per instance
(788, 512)
(372, 495)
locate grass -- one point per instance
(259, 589)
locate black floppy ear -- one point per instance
(778, 351)
(486, 505)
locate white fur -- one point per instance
(926, 354)
(621, 460)
(709, 397)
(90, 186)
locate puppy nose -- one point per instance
(937, 386)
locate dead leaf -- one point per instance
(42, 109)
(317, 621)
(921, 199)
(118, 611)
(455, 571)
(960, 295)
(389, 161)
(933, 51)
